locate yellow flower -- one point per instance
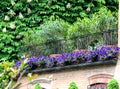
(12, 69)
(5, 66)
(29, 74)
(35, 76)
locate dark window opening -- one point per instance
(98, 86)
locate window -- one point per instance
(99, 81)
(98, 86)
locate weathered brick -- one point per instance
(82, 76)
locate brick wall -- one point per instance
(62, 78)
(99, 78)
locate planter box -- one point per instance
(105, 62)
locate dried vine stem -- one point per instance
(9, 84)
(20, 73)
(18, 81)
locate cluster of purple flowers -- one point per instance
(99, 54)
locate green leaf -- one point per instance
(22, 65)
(37, 86)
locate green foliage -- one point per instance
(51, 30)
(8, 73)
(8, 46)
(102, 20)
(5, 73)
(106, 20)
(37, 86)
(29, 76)
(73, 86)
(54, 30)
(113, 84)
(20, 16)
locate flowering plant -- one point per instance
(99, 54)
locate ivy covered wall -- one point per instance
(19, 16)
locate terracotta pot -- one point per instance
(54, 55)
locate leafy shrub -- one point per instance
(73, 86)
(5, 73)
(113, 84)
(11, 75)
(51, 31)
(37, 86)
(47, 38)
(102, 20)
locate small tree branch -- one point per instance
(9, 85)
(16, 86)
(18, 81)
(18, 75)
(21, 75)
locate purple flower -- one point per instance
(100, 53)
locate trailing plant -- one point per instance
(73, 86)
(113, 84)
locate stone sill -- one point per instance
(106, 62)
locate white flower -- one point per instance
(34, 21)
(12, 26)
(12, 12)
(68, 6)
(49, 3)
(29, 0)
(4, 29)
(6, 18)
(20, 15)
(12, 2)
(28, 11)
(26, 60)
(88, 9)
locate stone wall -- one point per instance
(81, 75)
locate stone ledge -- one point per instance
(39, 70)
